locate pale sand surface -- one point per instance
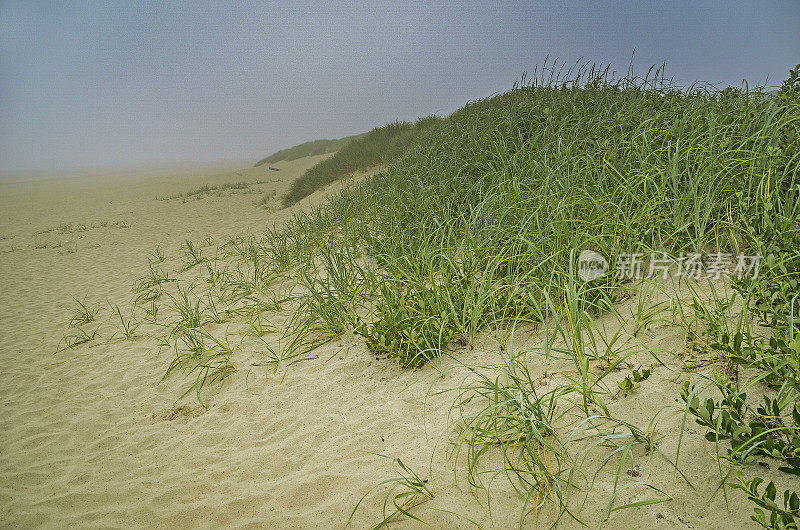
(90, 437)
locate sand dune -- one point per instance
(90, 437)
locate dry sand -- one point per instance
(90, 437)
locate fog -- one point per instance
(130, 84)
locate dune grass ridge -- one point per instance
(375, 148)
(312, 148)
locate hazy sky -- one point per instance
(89, 84)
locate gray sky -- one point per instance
(123, 84)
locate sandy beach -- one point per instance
(90, 437)
(399, 265)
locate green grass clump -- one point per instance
(408, 325)
(127, 326)
(313, 148)
(203, 356)
(75, 337)
(377, 147)
(83, 313)
(192, 254)
(408, 490)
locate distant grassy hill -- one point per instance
(315, 147)
(377, 147)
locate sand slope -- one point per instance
(89, 437)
